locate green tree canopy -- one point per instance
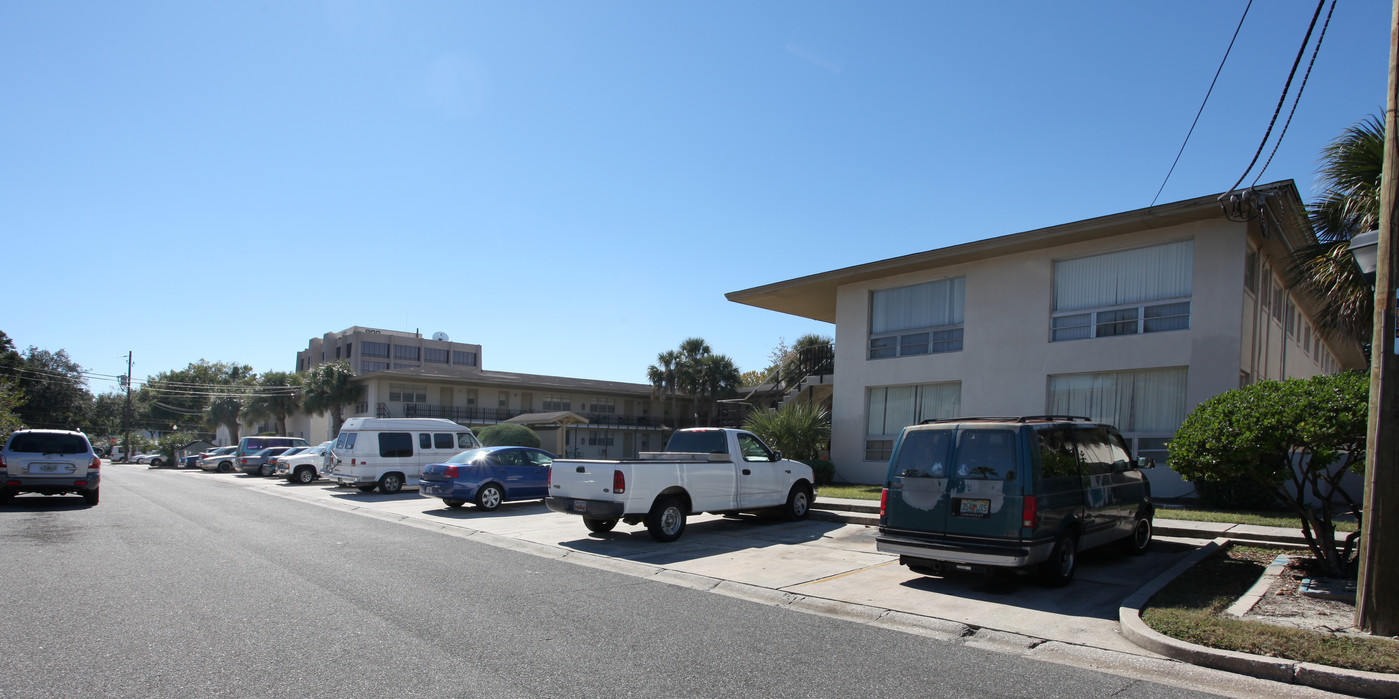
(328, 389)
(277, 395)
(54, 392)
(184, 396)
(1296, 438)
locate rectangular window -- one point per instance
(1146, 404)
(556, 403)
(460, 358)
(1251, 271)
(374, 349)
(392, 444)
(1278, 308)
(405, 352)
(1123, 293)
(407, 393)
(917, 319)
(602, 405)
(337, 352)
(471, 396)
(367, 366)
(405, 366)
(349, 349)
(434, 355)
(892, 408)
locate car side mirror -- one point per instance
(1146, 462)
(776, 456)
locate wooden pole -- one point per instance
(1377, 595)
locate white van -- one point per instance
(389, 453)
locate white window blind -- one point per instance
(1142, 401)
(927, 305)
(892, 408)
(1124, 277)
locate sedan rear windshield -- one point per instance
(42, 443)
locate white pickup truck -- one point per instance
(701, 470)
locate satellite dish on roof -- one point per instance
(440, 336)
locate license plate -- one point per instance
(580, 506)
(975, 508)
(44, 468)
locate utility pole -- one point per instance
(1376, 600)
(126, 414)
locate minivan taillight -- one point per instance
(450, 472)
(1029, 512)
(619, 482)
(883, 502)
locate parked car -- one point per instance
(49, 462)
(306, 466)
(155, 459)
(390, 453)
(256, 463)
(220, 459)
(488, 476)
(713, 470)
(980, 493)
(249, 445)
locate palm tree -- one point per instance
(1351, 168)
(328, 389)
(276, 398)
(663, 377)
(715, 376)
(800, 430)
(225, 411)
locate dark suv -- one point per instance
(50, 462)
(977, 493)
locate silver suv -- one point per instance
(49, 462)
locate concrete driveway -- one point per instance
(820, 561)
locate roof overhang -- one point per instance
(814, 296)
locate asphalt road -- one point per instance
(181, 585)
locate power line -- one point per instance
(1287, 87)
(1300, 88)
(1203, 103)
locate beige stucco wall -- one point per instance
(1007, 356)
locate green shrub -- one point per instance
(799, 430)
(1235, 494)
(504, 435)
(823, 471)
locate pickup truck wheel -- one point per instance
(666, 522)
(1059, 569)
(305, 474)
(798, 503)
(390, 483)
(366, 488)
(488, 497)
(454, 504)
(599, 526)
(225, 467)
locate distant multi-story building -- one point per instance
(407, 375)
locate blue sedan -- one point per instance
(488, 476)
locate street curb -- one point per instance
(1356, 682)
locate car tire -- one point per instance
(265, 470)
(225, 467)
(798, 503)
(390, 483)
(366, 488)
(453, 503)
(305, 475)
(1140, 539)
(6, 495)
(91, 496)
(157, 463)
(489, 497)
(666, 520)
(599, 526)
(1058, 569)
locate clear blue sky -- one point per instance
(575, 185)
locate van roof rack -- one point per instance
(1020, 418)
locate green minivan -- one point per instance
(1012, 492)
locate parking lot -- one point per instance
(816, 565)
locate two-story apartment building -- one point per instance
(1132, 318)
(404, 374)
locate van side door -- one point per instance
(1058, 486)
(1101, 501)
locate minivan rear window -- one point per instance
(986, 454)
(47, 443)
(923, 453)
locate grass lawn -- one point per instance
(854, 492)
(1262, 518)
(1192, 608)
